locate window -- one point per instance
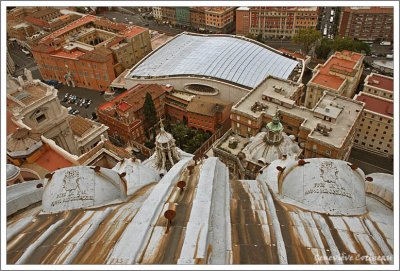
(237, 125)
(40, 118)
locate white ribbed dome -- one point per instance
(12, 171)
(320, 185)
(164, 137)
(259, 149)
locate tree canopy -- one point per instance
(339, 44)
(149, 111)
(306, 37)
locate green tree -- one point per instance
(322, 51)
(306, 37)
(149, 111)
(347, 43)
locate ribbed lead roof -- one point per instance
(228, 58)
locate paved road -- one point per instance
(84, 93)
(137, 19)
(371, 163)
(21, 60)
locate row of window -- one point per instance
(372, 146)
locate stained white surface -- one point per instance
(225, 57)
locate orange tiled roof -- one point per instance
(135, 96)
(82, 21)
(51, 160)
(133, 31)
(72, 55)
(97, 55)
(330, 81)
(381, 82)
(336, 63)
(376, 104)
(11, 126)
(293, 54)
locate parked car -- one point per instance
(76, 112)
(54, 83)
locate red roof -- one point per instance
(132, 31)
(330, 81)
(37, 22)
(382, 82)
(336, 62)
(11, 126)
(376, 104)
(51, 160)
(123, 106)
(293, 54)
(135, 96)
(82, 21)
(354, 56)
(71, 55)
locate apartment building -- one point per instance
(367, 23)
(91, 52)
(375, 132)
(275, 22)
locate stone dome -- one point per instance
(164, 137)
(12, 171)
(82, 187)
(23, 142)
(319, 185)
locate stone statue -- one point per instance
(28, 75)
(21, 81)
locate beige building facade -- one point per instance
(375, 132)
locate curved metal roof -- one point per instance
(225, 57)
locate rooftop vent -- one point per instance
(277, 89)
(257, 106)
(375, 81)
(323, 129)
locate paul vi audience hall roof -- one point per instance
(237, 60)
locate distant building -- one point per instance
(340, 74)
(375, 131)
(327, 130)
(220, 19)
(199, 112)
(242, 21)
(124, 114)
(91, 52)
(198, 18)
(30, 24)
(379, 85)
(212, 19)
(182, 16)
(275, 22)
(367, 23)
